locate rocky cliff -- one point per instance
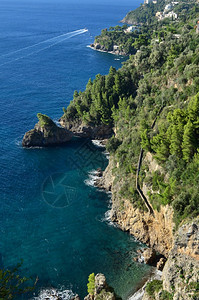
(79, 129)
(155, 231)
(101, 291)
(114, 50)
(46, 133)
(180, 278)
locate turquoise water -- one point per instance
(50, 217)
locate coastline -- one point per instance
(110, 52)
(141, 290)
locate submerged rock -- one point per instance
(46, 133)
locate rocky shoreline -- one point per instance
(46, 133)
(101, 48)
(173, 252)
(179, 250)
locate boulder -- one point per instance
(100, 283)
(161, 263)
(46, 133)
(149, 256)
(76, 297)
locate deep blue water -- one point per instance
(49, 217)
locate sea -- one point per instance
(52, 218)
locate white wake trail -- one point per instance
(42, 42)
(37, 51)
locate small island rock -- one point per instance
(46, 133)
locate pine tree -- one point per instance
(91, 284)
(188, 141)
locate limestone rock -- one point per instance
(80, 129)
(149, 256)
(102, 290)
(46, 133)
(76, 297)
(155, 231)
(181, 272)
(100, 283)
(161, 263)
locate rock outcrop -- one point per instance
(155, 231)
(149, 256)
(115, 49)
(181, 272)
(79, 129)
(102, 290)
(46, 133)
(180, 279)
(180, 276)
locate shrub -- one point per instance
(91, 284)
(153, 286)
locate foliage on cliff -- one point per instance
(91, 284)
(163, 73)
(117, 36)
(146, 13)
(95, 104)
(45, 120)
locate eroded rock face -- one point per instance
(79, 129)
(46, 135)
(149, 256)
(161, 263)
(155, 231)
(102, 290)
(100, 283)
(181, 272)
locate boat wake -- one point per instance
(38, 47)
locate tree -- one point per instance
(188, 141)
(91, 284)
(12, 284)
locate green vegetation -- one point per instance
(96, 104)
(117, 36)
(12, 284)
(145, 14)
(91, 284)
(166, 296)
(156, 286)
(153, 286)
(160, 81)
(45, 120)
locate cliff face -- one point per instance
(156, 231)
(180, 277)
(79, 129)
(181, 272)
